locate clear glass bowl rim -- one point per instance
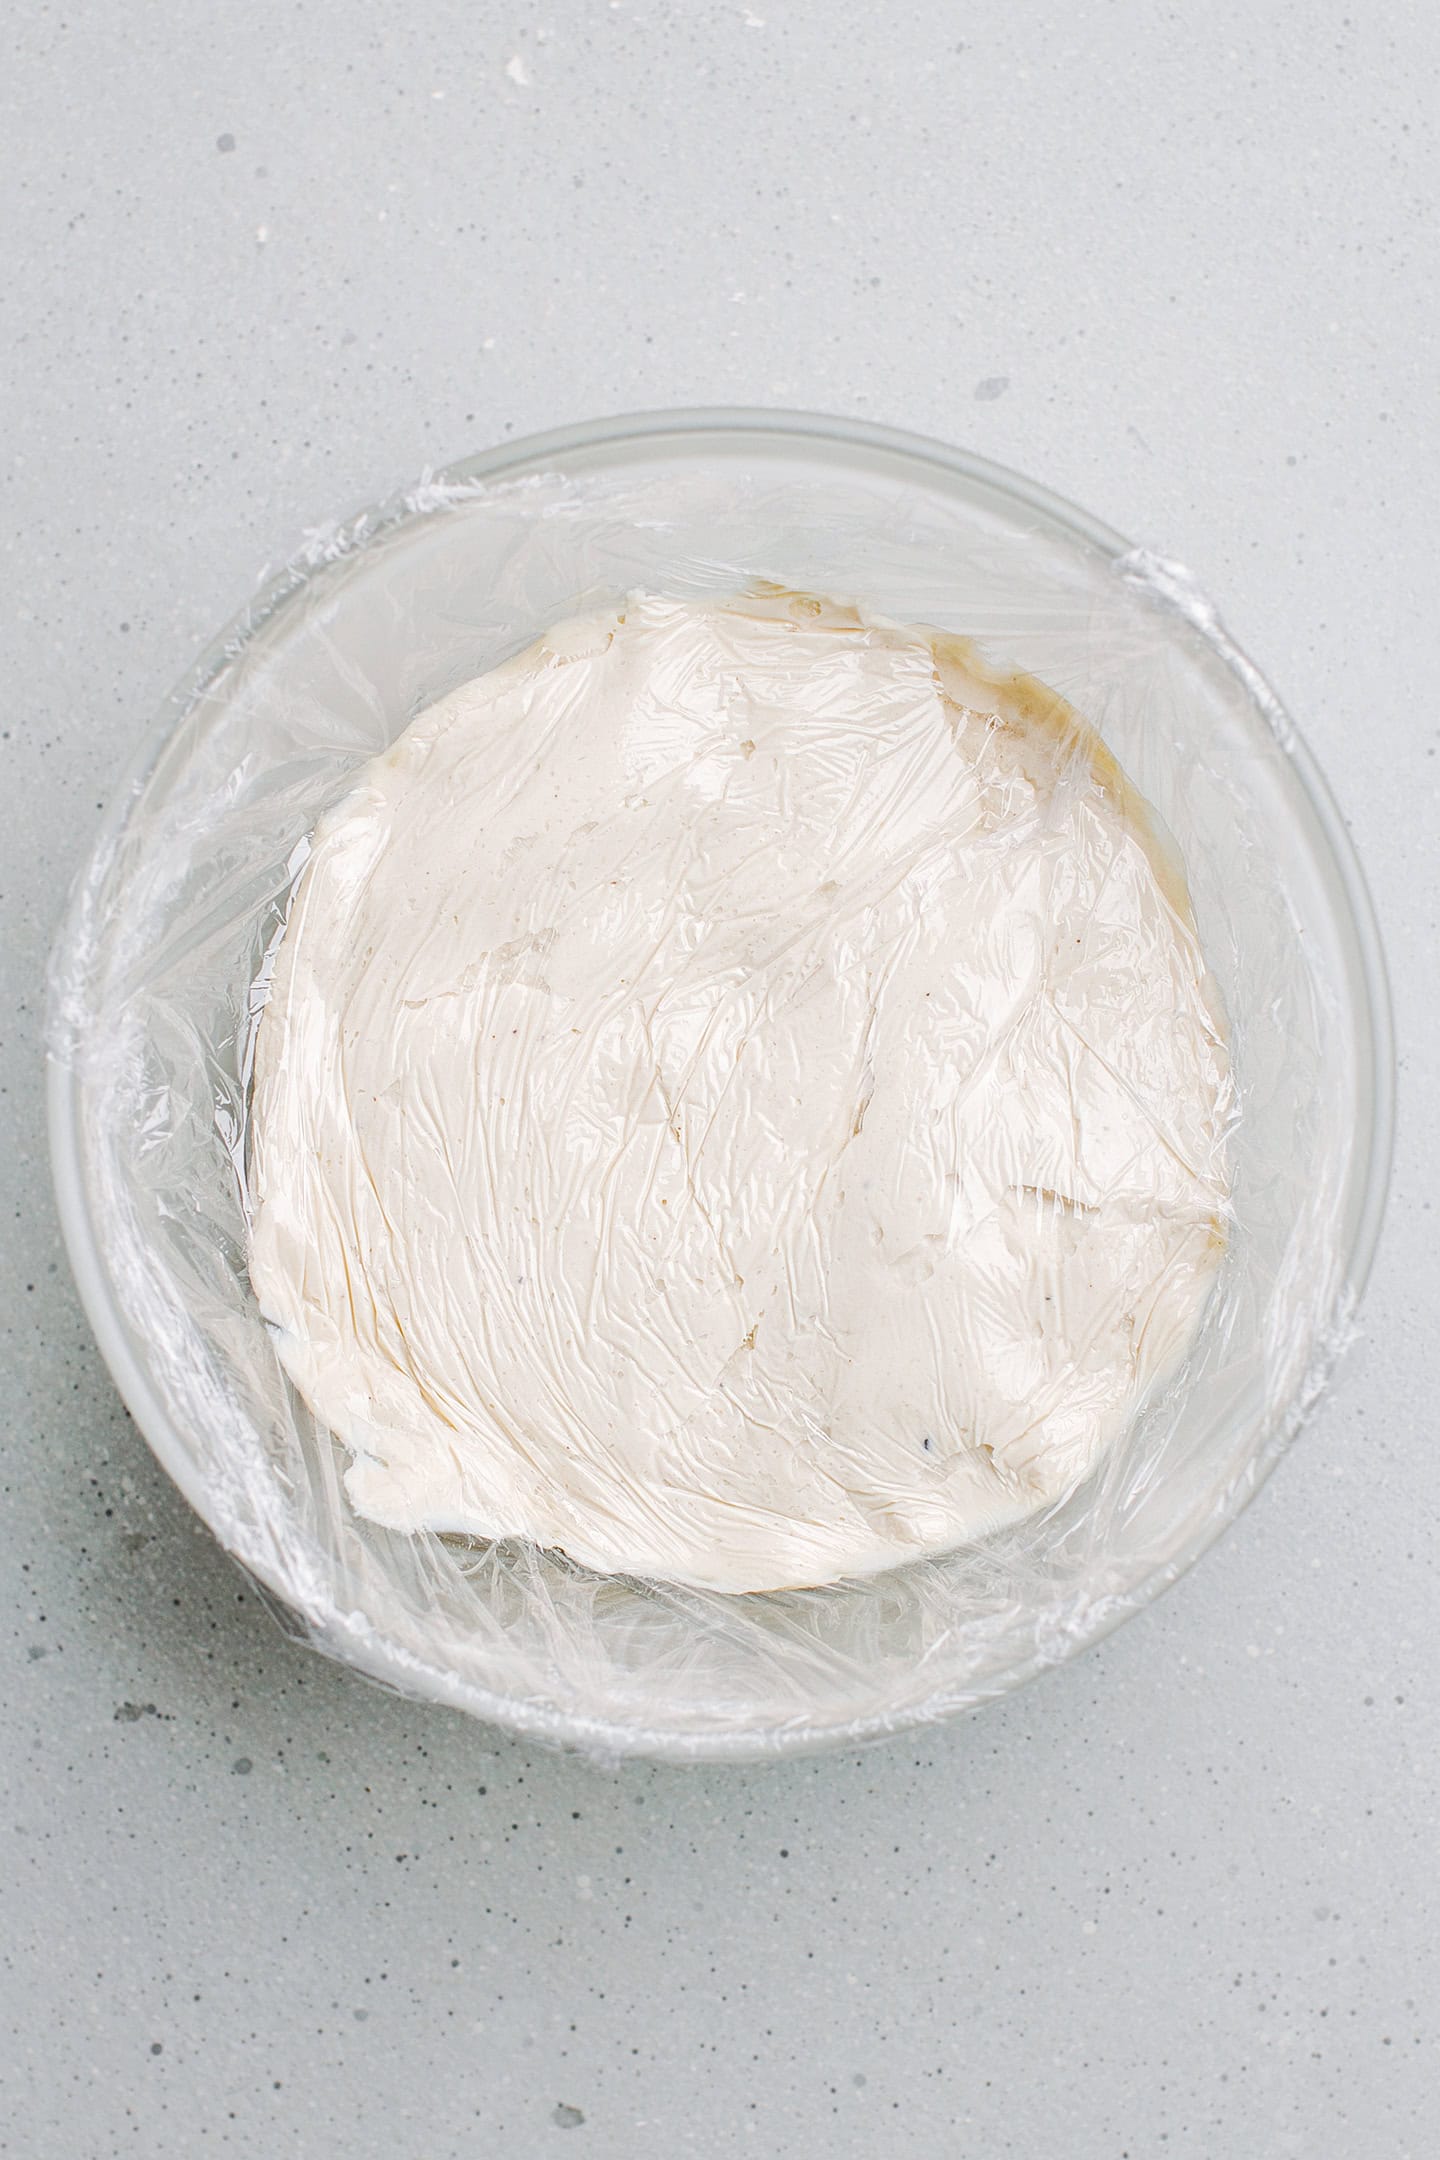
(767, 429)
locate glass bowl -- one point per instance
(153, 1005)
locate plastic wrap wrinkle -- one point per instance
(151, 1015)
(1170, 583)
(739, 1101)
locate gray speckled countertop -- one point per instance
(1180, 263)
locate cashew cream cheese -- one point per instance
(741, 1101)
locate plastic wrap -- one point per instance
(160, 973)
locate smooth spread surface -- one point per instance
(738, 1101)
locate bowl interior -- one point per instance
(152, 1027)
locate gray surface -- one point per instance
(1181, 264)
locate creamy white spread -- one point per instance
(741, 1101)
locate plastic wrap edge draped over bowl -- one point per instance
(151, 1029)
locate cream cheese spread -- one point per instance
(741, 1101)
